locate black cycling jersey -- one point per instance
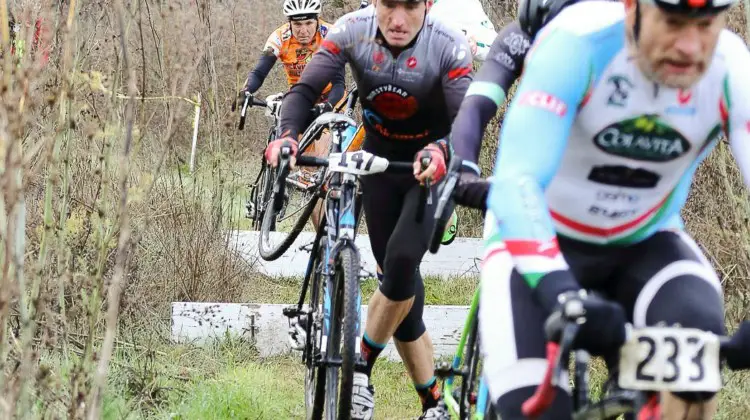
(488, 91)
(412, 96)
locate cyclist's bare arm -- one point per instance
(326, 64)
(488, 91)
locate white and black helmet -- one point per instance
(302, 9)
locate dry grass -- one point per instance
(101, 223)
(101, 226)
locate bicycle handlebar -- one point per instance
(442, 217)
(250, 100)
(561, 333)
(279, 185)
(424, 193)
(393, 166)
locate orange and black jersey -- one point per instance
(282, 46)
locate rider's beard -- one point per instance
(662, 69)
(667, 64)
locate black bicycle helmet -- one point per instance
(682, 7)
(693, 7)
(534, 14)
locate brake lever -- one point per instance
(566, 344)
(278, 186)
(243, 111)
(425, 197)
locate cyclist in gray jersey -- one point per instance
(412, 73)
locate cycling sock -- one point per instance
(370, 351)
(429, 393)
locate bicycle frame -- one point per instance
(339, 228)
(454, 407)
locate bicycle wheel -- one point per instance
(272, 246)
(471, 365)
(262, 195)
(315, 380)
(490, 412)
(301, 196)
(342, 337)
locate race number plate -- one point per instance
(670, 359)
(357, 163)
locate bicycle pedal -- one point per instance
(291, 311)
(443, 369)
(307, 247)
(364, 274)
(250, 210)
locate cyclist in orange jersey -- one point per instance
(294, 44)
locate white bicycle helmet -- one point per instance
(302, 9)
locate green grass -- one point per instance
(229, 381)
(450, 291)
(273, 389)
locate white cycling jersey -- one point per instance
(613, 152)
(469, 17)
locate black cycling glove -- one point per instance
(602, 323)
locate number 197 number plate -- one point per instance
(670, 359)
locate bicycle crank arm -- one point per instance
(445, 369)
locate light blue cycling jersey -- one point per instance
(593, 150)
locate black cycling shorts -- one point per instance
(664, 278)
(398, 243)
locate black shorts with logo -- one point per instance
(663, 279)
(398, 243)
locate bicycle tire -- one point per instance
(343, 335)
(268, 223)
(271, 253)
(315, 378)
(490, 413)
(263, 195)
(471, 362)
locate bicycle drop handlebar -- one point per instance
(393, 166)
(561, 333)
(424, 193)
(442, 215)
(250, 100)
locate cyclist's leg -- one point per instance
(513, 343)
(669, 281)
(321, 146)
(397, 304)
(414, 345)
(406, 248)
(381, 202)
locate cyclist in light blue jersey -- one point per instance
(618, 105)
